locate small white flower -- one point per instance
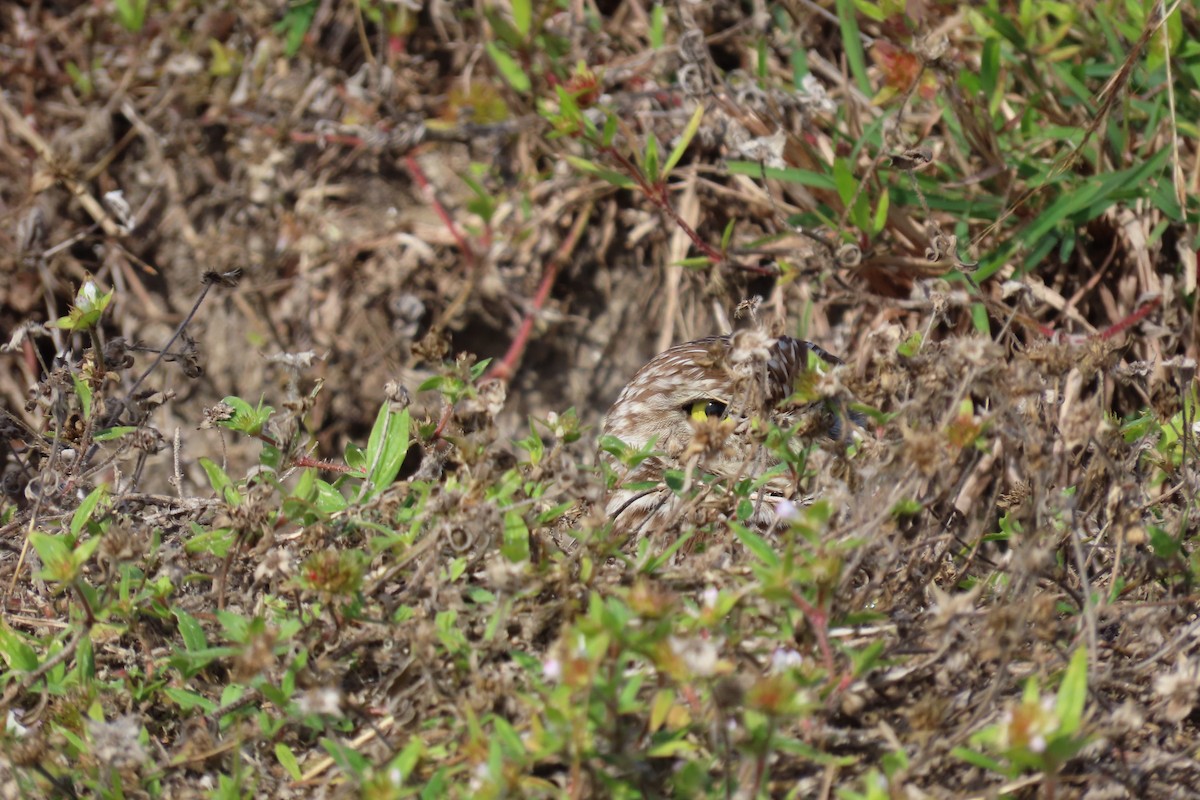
(11, 725)
(710, 597)
(276, 563)
(1180, 689)
(116, 203)
(89, 294)
(787, 511)
(326, 700)
(700, 655)
(813, 94)
(785, 658)
(552, 669)
(750, 346)
(766, 149)
(115, 742)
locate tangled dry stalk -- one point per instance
(274, 525)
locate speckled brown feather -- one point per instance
(749, 372)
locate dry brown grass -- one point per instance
(401, 207)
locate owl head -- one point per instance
(702, 406)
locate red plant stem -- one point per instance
(441, 426)
(1138, 314)
(658, 195)
(318, 138)
(427, 189)
(413, 167)
(1120, 326)
(504, 369)
(818, 620)
(305, 462)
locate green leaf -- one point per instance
(685, 139)
(533, 445)
(1163, 544)
(510, 70)
(852, 44)
(287, 760)
(19, 656)
(247, 419)
(1073, 693)
(505, 31)
(757, 545)
(329, 500)
(295, 24)
(727, 234)
(847, 184)
(407, 759)
(83, 551)
(866, 659)
(437, 787)
(131, 14)
(1083, 203)
(522, 15)
(386, 449)
(801, 177)
(881, 213)
(191, 662)
(355, 456)
(650, 160)
(989, 71)
(910, 346)
(85, 654)
(348, 759)
(190, 701)
(215, 542)
(551, 514)
(590, 168)
(232, 693)
(109, 434)
(191, 630)
(657, 36)
(237, 628)
(668, 553)
(84, 393)
(55, 554)
(479, 367)
(73, 739)
(88, 307)
(745, 508)
(432, 384)
(83, 514)
(516, 538)
(221, 483)
(610, 130)
(978, 759)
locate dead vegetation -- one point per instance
(282, 513)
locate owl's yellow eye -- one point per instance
(701, 410)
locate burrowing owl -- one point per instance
(699, 403)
